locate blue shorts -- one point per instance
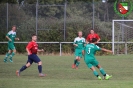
(33, 58)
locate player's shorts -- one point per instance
(33, 58)
(91, 62)
(11, 46)
(78, 53)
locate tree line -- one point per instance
(51, 22)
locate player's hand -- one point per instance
(17, 39)
(76, 45)
(29, 53)
(111, 51)
(42, 50)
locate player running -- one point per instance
(79, 46)
(90, 60)
(11, 36)
(32, 49)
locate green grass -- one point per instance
(60, 74)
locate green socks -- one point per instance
(7, 55)
(77, 64)
(102, 71)
(11, 56)
(95, 73)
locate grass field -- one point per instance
(60, 74)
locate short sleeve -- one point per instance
(29, 46)
(97, 36)
(88, 38)
(8, 34)
(74, 41)
(98, 48)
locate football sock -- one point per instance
(23, 68)
(102, 71)
(40, 68)
(77, 64)
(95, 73)
(7, 54)
(12, 55)
(75, 61)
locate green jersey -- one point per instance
(12, 36)
(80, 42)
(90, 50)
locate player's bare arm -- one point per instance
(8, 38)
(28, 51)
(75, 44)
(106, 50)
(98, 40)
(83, 52)
(40, 50)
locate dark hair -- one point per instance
(34, 35)
(13, 26)
(94, 40)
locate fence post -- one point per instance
(7, 17)
(36, 17)
(65, 6)
(113, 41)
(60, 49)
(126, 48)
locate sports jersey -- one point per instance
(12, 36)
(80, 42)
(91, 36)
(32, 47)
(90, 50)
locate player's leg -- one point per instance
(28, 64)
(7, 55)
(13, 53)
(103, 72)
(36, 59)
(76, 60)
(94, 70)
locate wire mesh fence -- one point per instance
(59, 22)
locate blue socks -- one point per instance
(40, 68)
(23, 68)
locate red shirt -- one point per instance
(32, 47)
(91, 36)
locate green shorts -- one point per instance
(91, 62)
(78, 53)
(11, 46)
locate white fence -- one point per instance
(60, 43)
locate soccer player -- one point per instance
(32, 49)
(92, 35)
(79, 46)
(11, 36)
(90, 60)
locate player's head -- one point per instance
(92, 31)
(34, 37)
(94, 40)
(80, 33)
(14, 28)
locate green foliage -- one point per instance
(50, 22)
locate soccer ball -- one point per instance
(105, 76)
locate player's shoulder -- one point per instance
(30, 42)
(9, 32)
(77, 38)
(83, 38)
